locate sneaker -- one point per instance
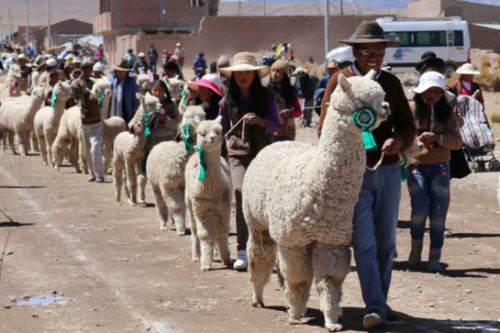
(373, 320)
(100, 180)
(241, 263)
(91, 179)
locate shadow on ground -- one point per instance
(402, 322)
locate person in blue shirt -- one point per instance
(124, 102)
(200, 65)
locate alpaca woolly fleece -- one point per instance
(69, 139)
(47, 119)
(312, 228)
(128, 155)
(208, 200)
(165, 169)
(16, 118)
(103, 86)
(111, 127)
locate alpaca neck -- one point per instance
(34, 104)
(59, 109)
(139, 141)
(338, 145)
(212, 163)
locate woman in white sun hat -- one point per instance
(465, 84)
(429, 170)
(250, 116)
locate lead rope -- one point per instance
(242, 119)
(379, 162)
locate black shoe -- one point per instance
(373, 320)
(91, 179)
(100, 180)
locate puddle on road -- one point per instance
(42, 300)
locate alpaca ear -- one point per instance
(371, 74)
(93, 79)
(344, 84)
(139, 96)
(219, 119)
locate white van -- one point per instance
(448, 38)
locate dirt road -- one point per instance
(73, 260)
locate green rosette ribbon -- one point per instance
(145, 120)
(186, 137)
(404, 162)
(365, 119)
(53, 100)
(100, 98)
(203, 164)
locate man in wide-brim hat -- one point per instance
(376, 212)
(124, 102)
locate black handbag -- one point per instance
(459, 168)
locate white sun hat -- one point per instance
(467, 69)
(98, 67)
(429, 80)
(141, 55)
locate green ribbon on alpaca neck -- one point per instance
(53, 100)
(365, 119)
(186, 137)
(100, 98)
(404, 162)
(145, 120)
(203, 164)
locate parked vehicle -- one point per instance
(447, 37)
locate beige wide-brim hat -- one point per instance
(243, 62)
(467, 69)
(123, 66)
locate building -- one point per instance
(127, 17)
(62, 32)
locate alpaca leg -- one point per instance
(24, 139)
(161, 207)
(174, 199)
(43, 148)
(141, 181)
(331, 265)
(34, 143)
(261, 251)
(118, 178)
(131, 183)
(205, 224)
(73, 156)
(10, 136)
(49, 140)
(221, 238)
(108, 157)
(82, 160)
(295, 265)
(195, 241)
(57, 153)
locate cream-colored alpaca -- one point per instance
(298, 199)
(128, 155)
(208, 195)
(47, 120)
(165, 169)
(16, 118)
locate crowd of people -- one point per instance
(257, 112)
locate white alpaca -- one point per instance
(175, 86)
(128, 154)
(47, 120)
(299, 199)
(111, 127)
(102, 90)
(16, 118)
(165, 170)
(208, 195)
(144, 82)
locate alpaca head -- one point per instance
(62, 91)
(209, 135)
(101, 86)
(144, 82)
(175, 87)
(38, 93)
(362, 95)
(150, 103)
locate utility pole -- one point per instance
(9, 24)
(341, 8)
(162, 14)
(263, 7)
(27, 21)
(327, 26)
(49, 34)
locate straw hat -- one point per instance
(369, 32)
(51, 62)
(210, 81)
(244, 61)
(122, 66)
(429, 80)
(467, 69)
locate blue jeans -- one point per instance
(374, 234)
(429, 186)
